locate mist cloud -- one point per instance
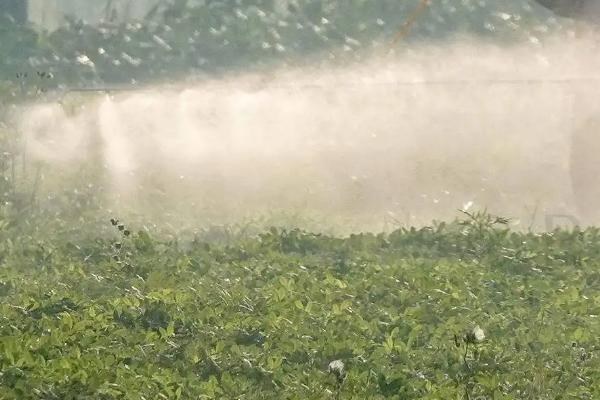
(411, 137)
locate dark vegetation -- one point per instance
(225, 36)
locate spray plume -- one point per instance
(405, 138)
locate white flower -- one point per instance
(478, 334)
(475, 335)
(336, 367)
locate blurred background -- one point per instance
(154, 39)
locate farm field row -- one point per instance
(461, 310)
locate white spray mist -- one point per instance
(408, 138)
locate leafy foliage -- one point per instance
(295, 315)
